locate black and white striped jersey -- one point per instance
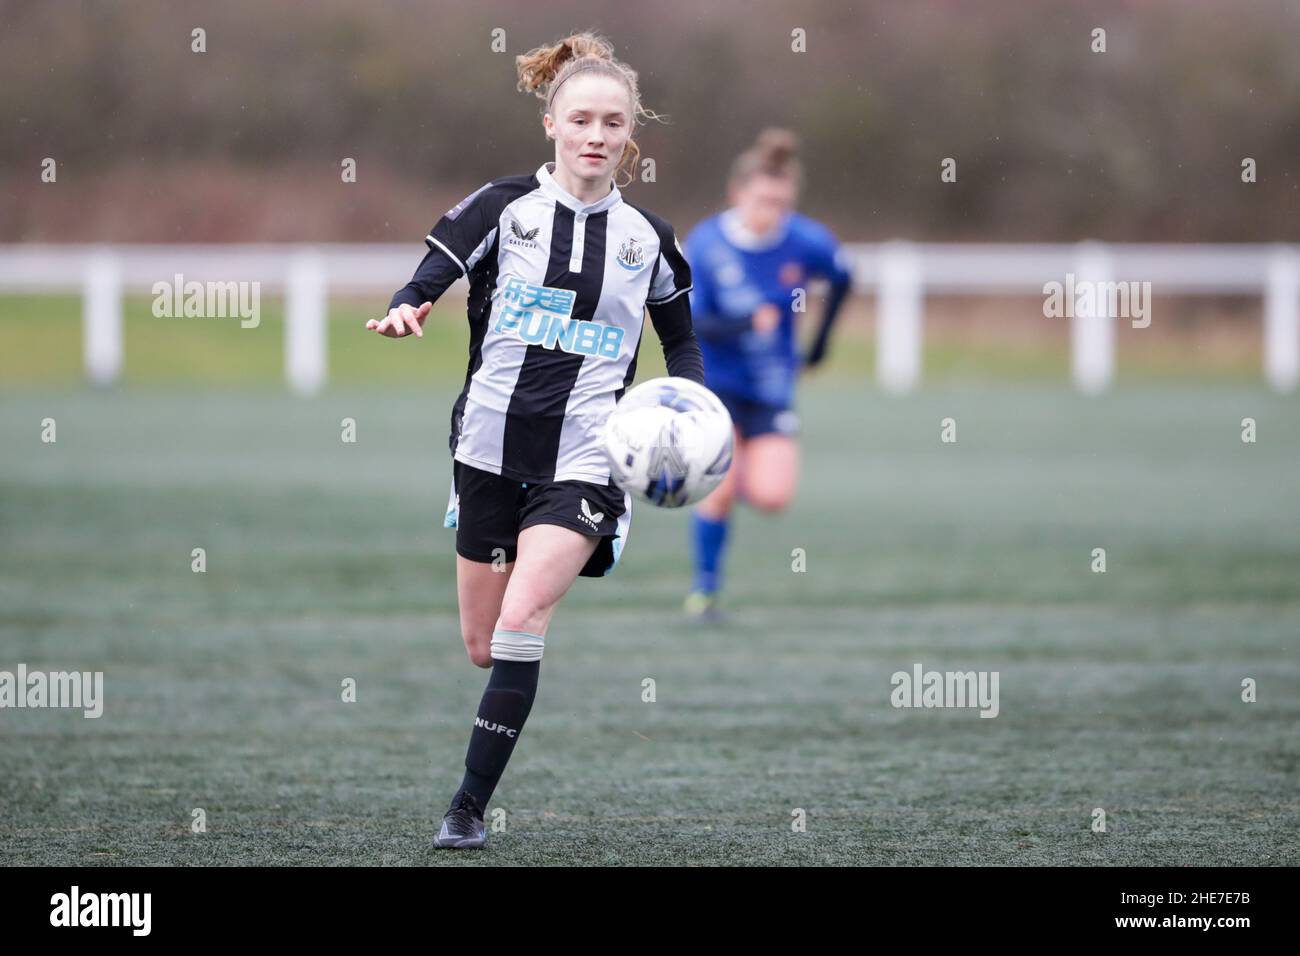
(558, 294)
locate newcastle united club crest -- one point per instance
(630, 255)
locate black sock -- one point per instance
(501, 715)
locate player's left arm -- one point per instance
(672, 322)
(670, 309)
(828, 260)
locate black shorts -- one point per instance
(488, 511)
(755, 418)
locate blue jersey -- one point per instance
(734, 272)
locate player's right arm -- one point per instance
(710, 321)
(705, 318)
(411, 303)
(456, 244)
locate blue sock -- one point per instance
(709, 537)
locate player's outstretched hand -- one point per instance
(401, 320)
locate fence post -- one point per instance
(101, 318)
(305, 332)
(1281, 320)
(898, 317)
(1092, 331)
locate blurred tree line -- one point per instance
(1052, 141)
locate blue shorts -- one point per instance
(755, 418)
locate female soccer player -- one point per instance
(751, 265)
(561, 271)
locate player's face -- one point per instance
(590, 123)
(763, 201)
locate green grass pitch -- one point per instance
(327, 561)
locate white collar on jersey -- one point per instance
(742, 238)
(561, 195)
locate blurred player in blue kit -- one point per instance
(751, 265)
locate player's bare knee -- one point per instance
(768, 501)
(519, 614)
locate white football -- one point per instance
(669, 442)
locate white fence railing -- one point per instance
(899, 274)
